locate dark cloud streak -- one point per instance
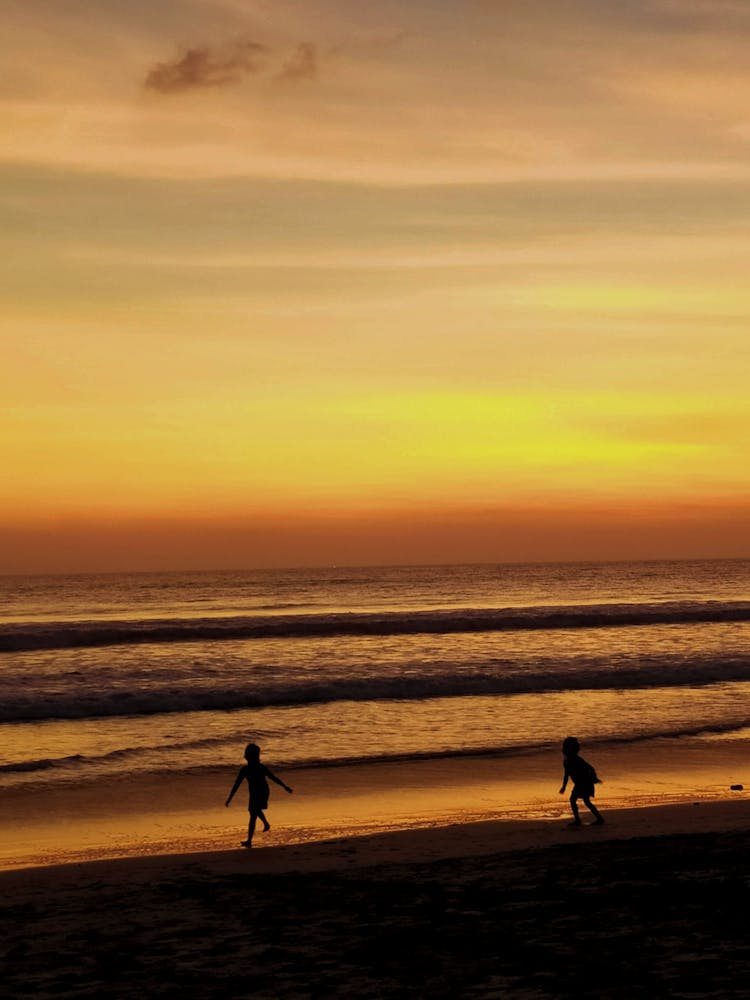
(205, 67)
(220, 66)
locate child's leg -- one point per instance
(574, 807)
(264, 821)
(592, 809)
(250, 830)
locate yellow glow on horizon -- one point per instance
(707, 300)
(466, 448)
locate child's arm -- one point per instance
(236, 785)
(278, 781)
(565, 779)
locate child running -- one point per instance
(583, 776)
(256, 774)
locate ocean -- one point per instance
(143, 677)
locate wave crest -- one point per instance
(23, 707)
(61, 635)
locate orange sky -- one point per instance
(289, 283)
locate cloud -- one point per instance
(206, 67)
(498, 91)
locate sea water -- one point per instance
(168, 673)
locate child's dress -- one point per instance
(257, 786)
(583, 776)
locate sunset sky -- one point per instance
(304, 283)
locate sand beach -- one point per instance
(652, 905)
(425, 850)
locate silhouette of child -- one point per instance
(583, 776)
(255, 773)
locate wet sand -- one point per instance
(142, 814)
(653, 904)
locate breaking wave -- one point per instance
(19, 705)
(29, 636)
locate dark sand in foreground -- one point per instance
(654, 904)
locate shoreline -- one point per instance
(145, 815)
(413, 846)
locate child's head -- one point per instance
(570, 746)
(252, 752)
